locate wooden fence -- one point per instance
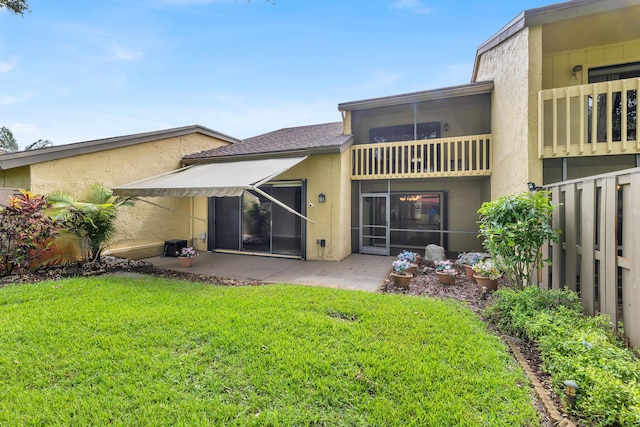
(598, 254)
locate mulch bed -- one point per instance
(114, 265)
(424, 283)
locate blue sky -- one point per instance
(72, 71)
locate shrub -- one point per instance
(25, 231)
(92, 219)
(514, 228)
(577, 347)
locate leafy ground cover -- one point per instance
(575, 347)
(151, 351)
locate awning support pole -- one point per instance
(279, 203)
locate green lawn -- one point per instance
(149, 351)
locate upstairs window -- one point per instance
(408, 132)
(606, 74)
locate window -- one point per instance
(416, 219)
(407, 132)
(605, 74)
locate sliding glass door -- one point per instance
(416, 220)
(253, 223)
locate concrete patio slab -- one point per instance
(356, 272)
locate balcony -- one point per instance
(431, 158)
(567, 127)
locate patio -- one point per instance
(356, 272)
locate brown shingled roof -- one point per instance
(311, 139)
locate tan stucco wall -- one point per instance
(515, 68)
(16, 178)
(142, 229)
(328, 174)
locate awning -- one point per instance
(210, 180)
(228, 179)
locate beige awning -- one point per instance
(228, 179)
(210, 180)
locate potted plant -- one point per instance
(446, 272)
(411, 258)
(401, 277)
(468, 260)
(186, 256)
(487, 274)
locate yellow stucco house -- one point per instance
(114, 161)
(552, 97)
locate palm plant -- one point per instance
(91, 219)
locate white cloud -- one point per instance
(23, 127)
(413, 6)
(6, 66)
(122, 53)
(8, 100)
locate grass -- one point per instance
(149, 351)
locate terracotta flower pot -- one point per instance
(401, 280)
(485, 282)
(446, 279)
(185, 262)
(413, 269)
(469, 271)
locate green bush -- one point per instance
(514, 228)
(25, 231)
(576, 347)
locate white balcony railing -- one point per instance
(589, 120)
(440, 157)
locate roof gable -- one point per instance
(24, 158)
(310, 139)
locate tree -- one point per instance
(92, 219)
(7, 141)
(514, 228)
(25, 231)
(18, 7)
(41, 143)
(9, 144)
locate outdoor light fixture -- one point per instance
(322, 198)
(575, 70)
(485, 290)
(570, 391)
(532, 186)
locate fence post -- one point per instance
(570, 257)
(587, 268)
(631, 295)
(556, 247)
(609, 250)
